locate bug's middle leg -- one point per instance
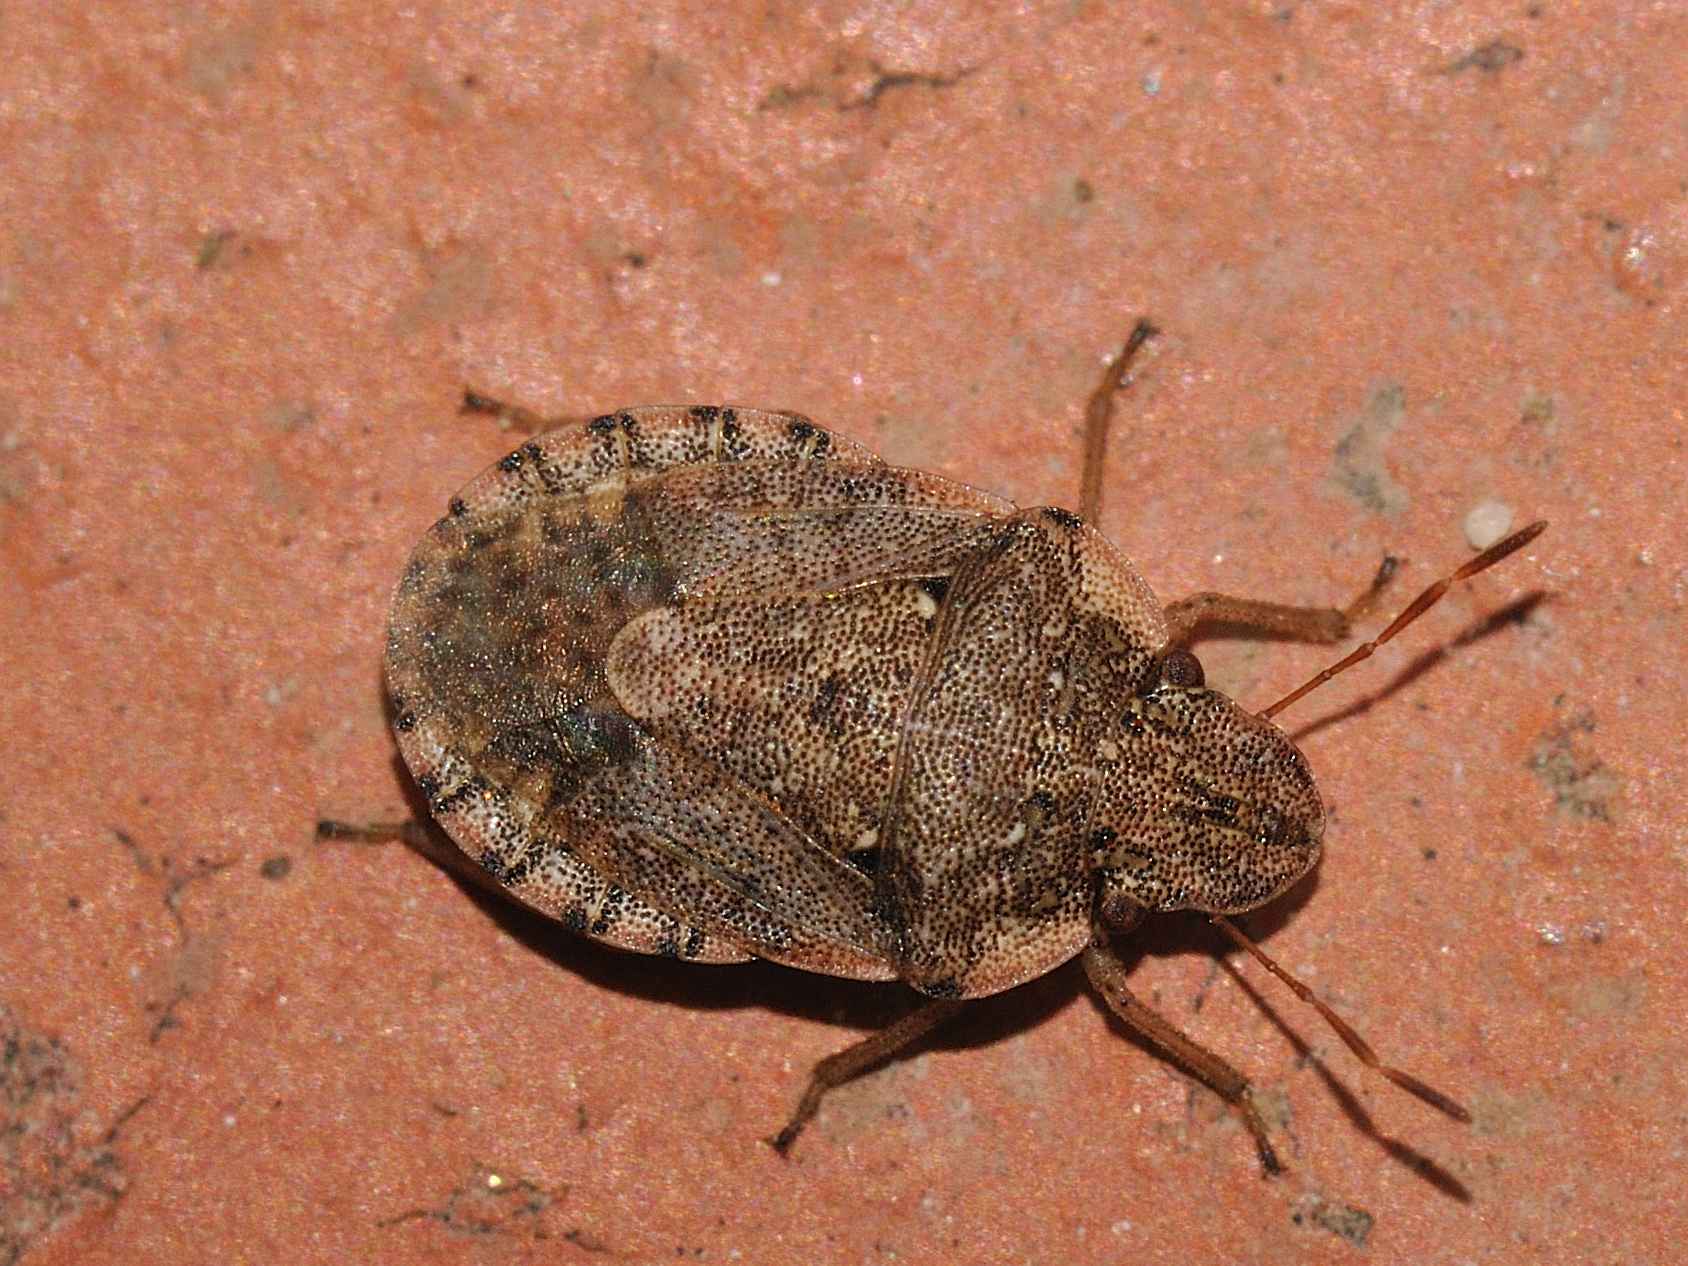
(852, 1061)
(1188, 617)
(1107, 972)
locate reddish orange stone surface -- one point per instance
(1411, 265)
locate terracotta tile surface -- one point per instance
(1414, 263)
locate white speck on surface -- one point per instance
(1551, 934)
(771, 278)
(1635, 254)
(1486, 522)
(1122, 1227)
(1152, 83)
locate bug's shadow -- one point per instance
(870, 1005)
(1514, 613)
(703, 986)
(1404, 1153)
(1173, 935)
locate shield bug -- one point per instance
(717, 684)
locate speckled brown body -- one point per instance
(716, 683)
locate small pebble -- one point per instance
(1486, 522)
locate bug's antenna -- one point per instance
(1406, 1081)
(1417, 607)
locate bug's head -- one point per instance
(1209, 807)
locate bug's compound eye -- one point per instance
(1119, 914)
(1180, 668)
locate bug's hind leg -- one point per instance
(1189, 617)
(1107, 972)
(511, 417)
(414, 836)
(852, 1061)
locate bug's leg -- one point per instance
(363, 832)
(511, 417)
(409, 832)
(1107, 972)
(414, 836)
(1099, 413)
(852, 1061)
(1250, 618)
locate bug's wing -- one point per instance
(759, 528)
(686, 836)
(782, 598)
(986, 875)
(650, 833)
(495, 665)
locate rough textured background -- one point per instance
(1407, 265)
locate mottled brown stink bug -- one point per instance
(715, 683)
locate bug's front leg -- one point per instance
(1107, 972)
(852, 1061)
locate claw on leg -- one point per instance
(1107, 972)
(852, 1061)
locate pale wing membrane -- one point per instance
(984, 873)
(504, 615)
